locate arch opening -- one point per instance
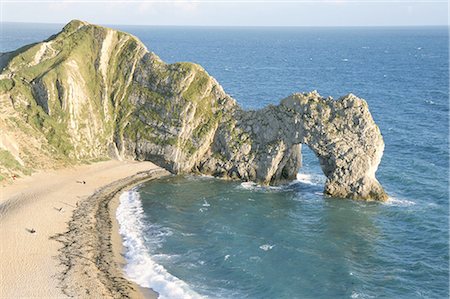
(310, 171)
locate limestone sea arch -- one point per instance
(90, 92)
(341, 133)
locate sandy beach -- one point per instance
(59, 234)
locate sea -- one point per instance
(202, 237)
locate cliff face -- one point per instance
(90, 93)
(61, 98)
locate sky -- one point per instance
(231, 12)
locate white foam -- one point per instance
(266, 247)
(311, 179)
(255, 187)
(140, 267)
(248, 185)
(205, 203)
(392, 201)
(305, 178)
(354, 295)
(207, 176)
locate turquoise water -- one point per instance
(191, 236)
(228, 240)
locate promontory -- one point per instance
(91, 93)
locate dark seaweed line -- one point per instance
(86, 250)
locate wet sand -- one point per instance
(59, 235)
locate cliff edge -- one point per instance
(90, 93)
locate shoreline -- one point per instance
(60, 236)
(118, 250)
(93, 234)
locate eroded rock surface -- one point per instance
(91, 92)
(265, 145)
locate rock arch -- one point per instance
(265, 145)
(176, 115)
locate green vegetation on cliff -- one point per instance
(91, 92)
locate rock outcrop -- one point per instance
(92, 93)
(265, 145)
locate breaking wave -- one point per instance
(392, 201)
(311, 179)
(140, 267)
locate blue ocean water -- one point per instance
(230, 240)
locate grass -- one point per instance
(8, 161)
(6, 85)
(163, 104)
(197, 87)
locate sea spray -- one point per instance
(140, 267)
(311, 179)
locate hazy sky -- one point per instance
(231, 13)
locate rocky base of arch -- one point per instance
(265, 145)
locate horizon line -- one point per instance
(235, 26)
